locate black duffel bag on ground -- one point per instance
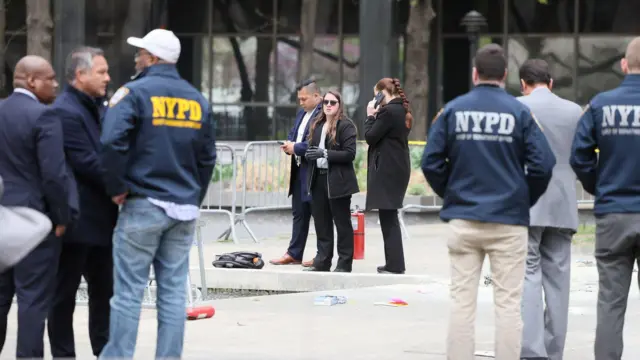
(239, 260)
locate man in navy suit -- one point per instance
(32, 164)
(86, 248)
(296, 145)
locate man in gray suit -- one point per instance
(554, 220)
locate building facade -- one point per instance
(243, 54)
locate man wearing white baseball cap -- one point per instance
(158, 153)
(160, 43)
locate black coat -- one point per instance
(340, 156)
(388, 162)
(80, 117)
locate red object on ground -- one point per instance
(200, 312)
(357, 220)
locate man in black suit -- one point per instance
(86, 247)
(310, 102)
(33, 167)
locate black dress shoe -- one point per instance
(341, 270)
(383, 270)
(313, 268)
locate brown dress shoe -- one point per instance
(286, 259)
(308, 263)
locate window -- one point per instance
(456, 64)
(351, 71)
(15, 43)
(115, 21)
(240, 72)
(541, 17)
(326, 16)
(609, 16)
(558, 51)
(599, 68)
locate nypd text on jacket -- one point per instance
(487, 157)
(611, 123)
(158, 139)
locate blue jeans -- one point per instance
(146, 236)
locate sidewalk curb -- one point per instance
(248, 279)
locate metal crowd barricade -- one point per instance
(584, 198)
(223, 189)
(194, 295)
(149, 300)
(433, 205)
(265, 181)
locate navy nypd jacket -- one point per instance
(158, 139)
(487, 157)
(611, 123)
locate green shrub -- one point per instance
(360, 161)
(415, 154)
(222, 173)
(417, 190)
(361, 175)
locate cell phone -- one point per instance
(281, 142)
(378, 98)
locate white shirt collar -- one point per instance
(26, 92)
(539, 88)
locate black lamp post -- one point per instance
(474, 22)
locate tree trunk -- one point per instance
(308, 15)
(416, 64)
(3, 25)
(39, 28)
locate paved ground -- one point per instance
(425, 250)
(291, 327)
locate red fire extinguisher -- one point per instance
(200, 312)
(357, 220)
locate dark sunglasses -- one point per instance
(332, 102)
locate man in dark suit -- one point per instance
(296, 145)
(32, 164)
(86, 248)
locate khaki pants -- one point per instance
(506, 246)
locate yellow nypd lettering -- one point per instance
(176, 112)
(183, 106)
(195, 110)
(159, 109)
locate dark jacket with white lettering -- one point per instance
(158, 139)
(476, 154)
(611, 123)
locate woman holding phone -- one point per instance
(387, 130)
(332, 181)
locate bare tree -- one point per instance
(39, 28)
(416, 64)
(3, 50)
(308, 15)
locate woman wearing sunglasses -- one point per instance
(332, 181)
(389, 168)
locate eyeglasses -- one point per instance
(140, 53)
(332, 102)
